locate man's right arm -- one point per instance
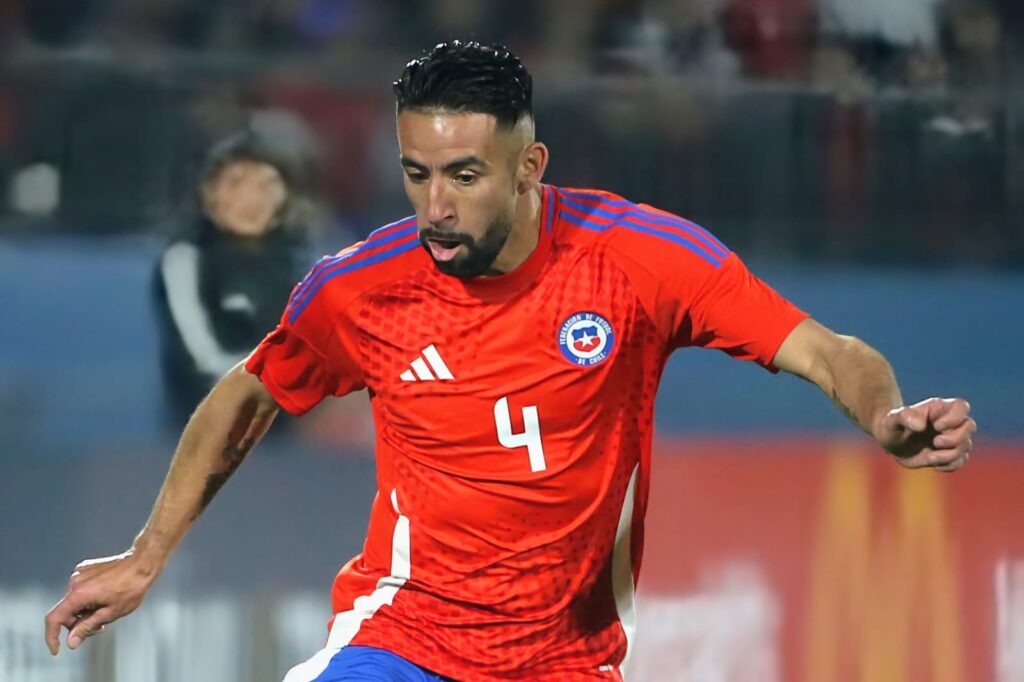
(224, 428)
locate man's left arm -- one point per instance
(932, 433)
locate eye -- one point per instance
(465, 178)
(415, 176)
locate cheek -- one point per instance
(275, 200)
(483, 205)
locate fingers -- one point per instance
(913, 417)
(70, 609)
(921, 460)
(88, 626)
(940, 460)
(954, 437)
(954, 440)
(949, 458)
(54, 620)
(948, 413)
(945, 457)
(65, 613)
(956, 464)
(942, 413)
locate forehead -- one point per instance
(248, 167)
(430, 134)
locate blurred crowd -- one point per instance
(839, 128)
(861, 44)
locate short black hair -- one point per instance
(467, 77)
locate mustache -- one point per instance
(444, 235)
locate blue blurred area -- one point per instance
(79, 370)
(947, 334)
(78, 346)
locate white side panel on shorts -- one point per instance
(622, 571)
(347, 623)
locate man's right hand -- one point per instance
(225, 426)
(99, 592)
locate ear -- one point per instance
(532, 164)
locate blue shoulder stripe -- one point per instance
(663, 234)
(690, 226)
(700, 235)
(375, 238)
(340, 265)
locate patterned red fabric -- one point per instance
(510, 566)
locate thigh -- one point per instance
(359, 664)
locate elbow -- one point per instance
(240, 387)
(833, 354)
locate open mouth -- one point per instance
(444, 249)
(446, 243)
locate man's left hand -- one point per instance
(933, 433)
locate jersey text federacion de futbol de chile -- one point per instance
(514, 417)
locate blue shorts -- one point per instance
(369, 664)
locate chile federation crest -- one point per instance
(586, 339)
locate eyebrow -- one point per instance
(452, 166)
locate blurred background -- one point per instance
(864, 156)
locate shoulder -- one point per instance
(388, 254)
(639, 233)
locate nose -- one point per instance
(440, 211)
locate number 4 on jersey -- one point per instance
(530, 437)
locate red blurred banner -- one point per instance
(819, 560)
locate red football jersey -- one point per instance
(514, 417)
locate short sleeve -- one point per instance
(734, 311)
(700, 294)
(310, 354)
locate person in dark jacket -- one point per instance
(219, 289)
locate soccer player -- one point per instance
(511, 335)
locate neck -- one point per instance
(523, 235)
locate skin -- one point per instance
(244, 198)
(465, 175)
(503, 193)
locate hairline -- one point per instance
(442, 110)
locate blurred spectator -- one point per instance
(629, 38)
(698, 38)
(881, 42)
(160, 23)
(660, 36)
(97, 148)
(344, 123)
(973, 38)
(964, 145)
(772, 37)
(516, 25)
(306, 24)
(222, 287)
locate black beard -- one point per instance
(480, 253)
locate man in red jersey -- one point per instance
(511, 336)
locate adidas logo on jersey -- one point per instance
(421, 372)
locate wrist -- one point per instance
(149, 555)
(877, 425)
